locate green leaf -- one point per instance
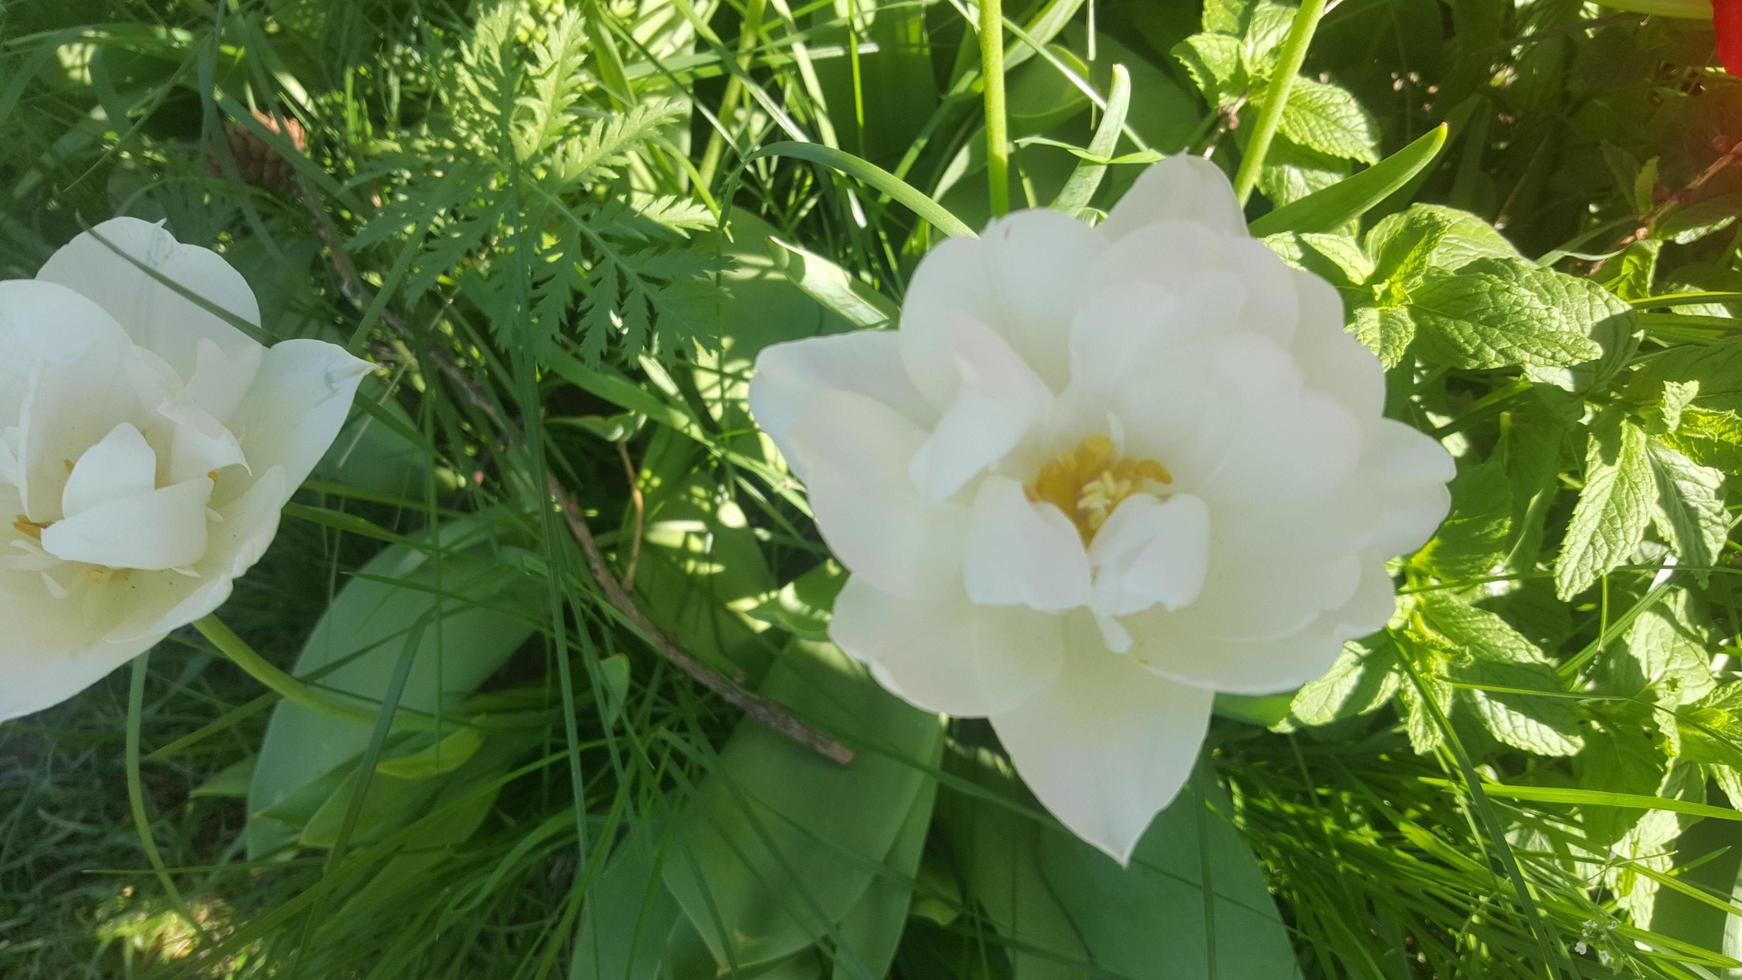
(1387, 331)
(1353, 196)
(1545, 725)
(1614, 507)
(1329, 119)
(1214, 64)
(476, 617)
(998, 848)
(871, 933)
(1458, 628)
(872, 176)
(1689, 507)
(1126, 914)
(779, 844)
(1407, 245)
(1710, 730)
(627, 915)
(1364, 677)
(1496, 313)
(1617, 758)
(1472, 542)
(1335, 257)
(436, 757)
(1661, 657)
(1709, 438)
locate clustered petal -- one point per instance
(1096, 476)
(147, 447)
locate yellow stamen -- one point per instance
(1090, 481)
(29, 528)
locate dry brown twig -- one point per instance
(769, 713)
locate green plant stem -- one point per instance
(997, 134)
(238, 652)
(1294, 49)
(136, 797)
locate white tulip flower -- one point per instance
(146, 449)
(1098, 475)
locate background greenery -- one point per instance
(565, 229)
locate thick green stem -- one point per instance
(1294, 49)
(997, 134)
(238, 652)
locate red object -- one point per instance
(1727, 21)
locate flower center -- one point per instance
(1090, 480)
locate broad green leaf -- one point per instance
(1328, 118)
(1456, 627)
(1086, 178)
(998, 849)
(1708, 858)
(1292, 172)
(1543, 724)
(779, 844)
(1650, 844)
(1387, 331)
(1617, 758)
(830, 285)
(1424, 729)
(436, 757)
(1213, 62)
(1709, 438)
(1405, 246)
(1691, 222)
(1629, 274)
(1364, 677)
(1496, 313)
(1661, 657)
(1126, 914)
(1353, 196)
(1335, 257)
(871, 932)
(1473, 540)
(1710, 730)
(628, 913)
(476, 612)
(1689, 510)
(801, 607)
(1614, 507)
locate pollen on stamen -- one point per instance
(1089, 481)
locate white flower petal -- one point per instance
(945, 654)
(867, 362)
(156, 530)
(121, 465)
(1406, 472)
(294, 409)
(161, 601)
(999, 400)
(220, 378)
(1107, 746)
(156, 316)
(853, 453)
(1021, 278)
(1330, 358)
(1181, 188)
(1269, 665)
(199, 444)
(1023, 553)
(43, 660)
(1299, 446)
(1150, 552)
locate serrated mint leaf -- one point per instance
(1692, 222)
(1474, 538)
(1333, 257)
(1614, 507)
(1689, 510)
(1384, 330)
(1460, 629)
(1329, 119)
(1405, 245)
(1661, 659)
(1629, 274)
(1364, 677)
(1213, 61)
(1292, 171)
(1424, 729)
(1495, 313)
(1617, 759)
(1709, 438)
(1717, 368)
(1710, 729)
(1539, 723)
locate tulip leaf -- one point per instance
(779, 845)
(1614, 507)
(476, 617)
(872, 176)
(1353, 196)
